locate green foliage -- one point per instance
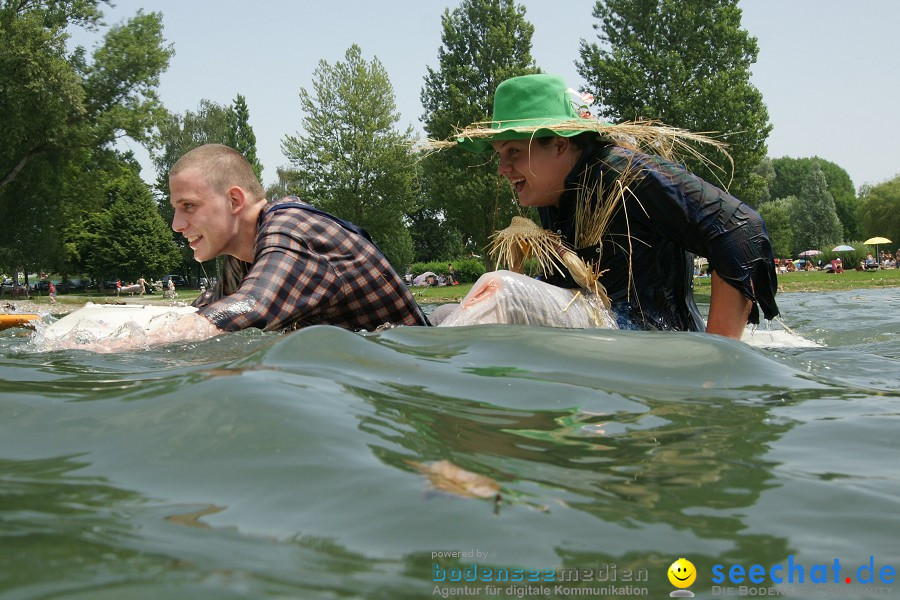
(240, 133)
(127, 238)
(777, 215)
(61, 112)
(879, 211)
(815, 222)
(850, 258)
(484, 43)
(761, 181)
(350, 160)
(467, 270)
(687, 64)
(791, 173)
(433, 238)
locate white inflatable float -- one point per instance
(497, 297)
(511, 298)
(95, 322)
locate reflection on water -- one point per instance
(291, 466)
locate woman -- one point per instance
(634, 219)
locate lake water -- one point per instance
(308, 465)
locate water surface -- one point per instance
(291, 466)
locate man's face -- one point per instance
(202, 216)
(536, 171)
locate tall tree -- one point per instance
(126, 238)
(240, 134)
(879, 211)
(813, 216)
(777, 215)
(351, 160)
(791, 173)
(56, 101)
(484, 43)
(60, 110)
(685, 63)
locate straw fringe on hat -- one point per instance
(534, 106)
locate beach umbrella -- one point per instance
(808, 253)
(420, 279)
(843, 248)
(874, 241)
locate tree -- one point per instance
(484, 43)
(61, 112)
(686, 64)
(777, 215)
(127, 238)
(763, 176)
(813, 216)
(433, 238)
(791, 173)
(350, 160)
(240, 134)
(54, 102)
(879, 211)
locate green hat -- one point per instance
(526, 107)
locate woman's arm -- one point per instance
(728, 309)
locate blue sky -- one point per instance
(829, 70)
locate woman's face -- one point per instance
(536, 170)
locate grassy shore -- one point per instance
(814, 281)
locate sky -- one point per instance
(828, 70)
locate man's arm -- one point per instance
(728, 309)
(189, 328)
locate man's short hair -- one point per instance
(223, 167)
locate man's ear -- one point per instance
(237, 197)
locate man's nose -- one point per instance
(178, 223)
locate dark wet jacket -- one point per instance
(670, 216)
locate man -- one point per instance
(297, 266)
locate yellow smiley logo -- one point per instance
(682, 573)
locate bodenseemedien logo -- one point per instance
(682, 574)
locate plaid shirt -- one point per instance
(309, 270)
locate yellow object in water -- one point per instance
(8, 320)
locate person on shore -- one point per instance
(287, 264)
(656, 213)
(51, 292)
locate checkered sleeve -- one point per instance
(309, 270)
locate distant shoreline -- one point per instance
(804, 281)
(813, 281)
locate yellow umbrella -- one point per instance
(877, 240)
(874, 241)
